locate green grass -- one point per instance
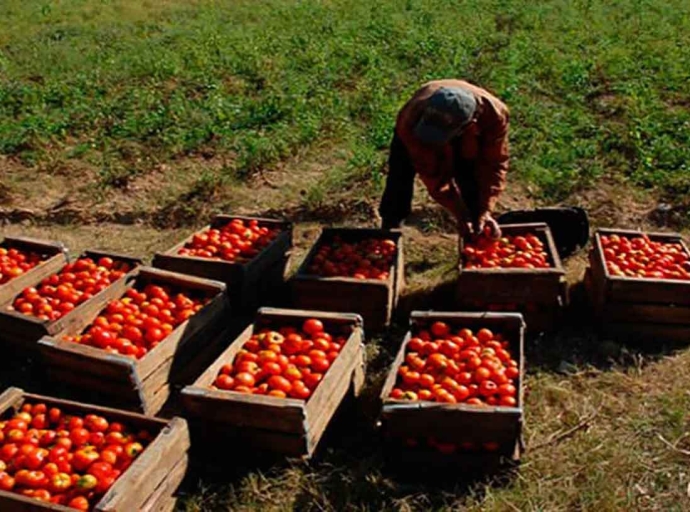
(596, 89)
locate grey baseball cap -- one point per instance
(447, 110)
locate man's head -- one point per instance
(447, 112)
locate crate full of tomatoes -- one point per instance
(454, 393)
(519, 272)
(58, 455)
(278, 385)
(49, 303)
(352, 270)
(639, 284)
(248, 254)
(133, 346)
(24, 261)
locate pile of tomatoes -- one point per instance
(283, 363)
(64, 459)
(458, 367)
(638, 256)
(14, 263)
(507, 252)
(76, 283)
(366, 259)
(237, 241)
(136, 323)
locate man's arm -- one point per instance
(396, 202)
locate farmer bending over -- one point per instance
(455, 136)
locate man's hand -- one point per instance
(485, 221)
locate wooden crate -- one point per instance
(23, 331)
(145, 384)
(55, 258)
(644, 308)
(538, 294)
(282, 425)
(148, 485)
(372, 299)
(249, 284)
(405, 423)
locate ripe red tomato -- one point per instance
(312, 327)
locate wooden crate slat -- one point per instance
(652, 332)
(641, 312)
(11, 502)
(283, 414)
(87, 359)
(325, 400)
(226, 437)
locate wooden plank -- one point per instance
(149, 470)
(392, 376)
(90, 360)
(11, 502)
(244, 410)
(643, 313)
(647, 332)
(329, 394)
(215, 440)
(10, 397)
(163, 495)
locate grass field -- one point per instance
(124, 124)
